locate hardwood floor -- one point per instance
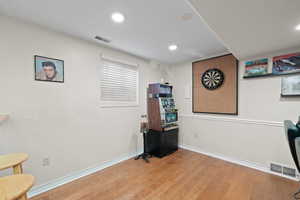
(184, 175)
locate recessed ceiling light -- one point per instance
(118, 17)
(298, 27)
(173, 47)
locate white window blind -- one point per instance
(119, 83)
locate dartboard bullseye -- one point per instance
(212, 79)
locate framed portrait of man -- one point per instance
(48, 69)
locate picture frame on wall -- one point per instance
(48, 69)
(276, 66)
(256, 68)
(286, 64)
(290, 86)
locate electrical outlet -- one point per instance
(195, 135)
(46, 162)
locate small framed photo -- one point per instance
(256, 68)
(48, 69)
(286, 64)
(290, 86)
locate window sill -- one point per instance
(118, 105)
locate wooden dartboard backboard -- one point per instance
(224, 99)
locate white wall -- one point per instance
(256, 135)
(63, 121)
(66, 123)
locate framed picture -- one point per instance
(290, 86)
(256, 67)
(286, 64)
(48, 69)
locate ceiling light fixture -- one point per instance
(118, 17)
(298, 27)
(173, 47)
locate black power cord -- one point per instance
(296, 195)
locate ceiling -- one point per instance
(254, 27)
(150, 25)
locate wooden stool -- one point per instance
(15, 187)
(13, 160)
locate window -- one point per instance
(119, 84)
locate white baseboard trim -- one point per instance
(75, 175)
(236, 161)
(234, 119)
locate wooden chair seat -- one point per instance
(12, 160)
(15, 186)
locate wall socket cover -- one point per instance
(46, 162)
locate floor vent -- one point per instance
(287, 171)
(276, 168)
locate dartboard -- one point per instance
(212, 79)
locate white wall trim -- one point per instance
(236, 161)
(235, 120)
(112, 105)
(76, 175)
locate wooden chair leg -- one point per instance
(18, 169)
(24, 197)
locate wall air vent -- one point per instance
(286, 171)
(102, 39)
